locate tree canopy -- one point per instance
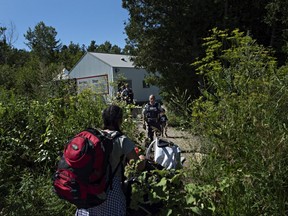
(30, 72)
(106, 47)
(42, 41)
(167, 34)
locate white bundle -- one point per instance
(166, 153)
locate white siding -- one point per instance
(92, 71)
(90, 66)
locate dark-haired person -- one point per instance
(151, 114)
(122, 145)
(127, 94)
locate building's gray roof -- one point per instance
(114, 60)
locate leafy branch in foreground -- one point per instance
(240, 114)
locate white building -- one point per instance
(100, 70)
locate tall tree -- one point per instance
(92, 46)
(69, 55)
(11, 59)
(5, 47)
(129, 49)
(277, 20)
(167, 34)
(166, 37)
(42, 42)
(107, 47)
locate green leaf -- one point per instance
(163, 182)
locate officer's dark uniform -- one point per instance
(151, 117)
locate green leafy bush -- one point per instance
(241, 118)
(171, 191)
(242, 114)
(31, 135)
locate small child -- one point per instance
(163, 122)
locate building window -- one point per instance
(145, 85)
(82, 85)
(97, 83)
(82, 82)
(100, 85)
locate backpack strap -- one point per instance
(114, 172)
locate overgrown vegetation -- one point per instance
(32, 133)
(241, 117)
(167, 34)
(234, 96)
(241, 114)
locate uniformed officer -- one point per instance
(151, 114)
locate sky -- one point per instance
(75, 21)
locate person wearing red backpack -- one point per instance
(122, 146)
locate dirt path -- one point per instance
(189, 144)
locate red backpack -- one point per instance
(84, 172)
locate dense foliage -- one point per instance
(28, 71)
(232, 92)
(241, 115)
(167, 34)
(32, 133)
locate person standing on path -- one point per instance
(116, 201)
(127, 94)
(151, 114)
